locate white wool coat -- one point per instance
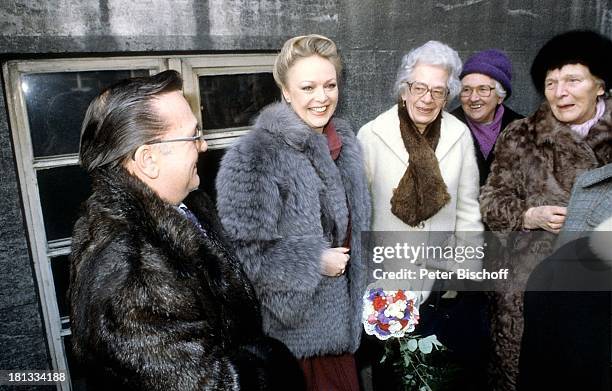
(386, 161)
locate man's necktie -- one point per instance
(191, 217)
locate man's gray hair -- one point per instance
(122, 118)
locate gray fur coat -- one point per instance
(283, 200)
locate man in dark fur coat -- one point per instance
(158, 300)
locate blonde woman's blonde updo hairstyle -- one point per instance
(302, 47)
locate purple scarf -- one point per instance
(486, 134)
(583, 129)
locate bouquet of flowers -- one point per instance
(389, 314)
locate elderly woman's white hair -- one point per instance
(431, 53)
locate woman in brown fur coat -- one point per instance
(537, 161)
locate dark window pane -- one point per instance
(56, 104)
(230, 101)
(208, 166)
(62, 190)
(60, 267)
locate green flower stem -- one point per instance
(416, 370)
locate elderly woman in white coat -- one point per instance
(419, 159)
(420, 164)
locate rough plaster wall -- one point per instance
(371, 34)
(374, 35)
(21, 335)
(264, 18)
(154, 25)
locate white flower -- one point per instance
(396, 309)
(394, 326)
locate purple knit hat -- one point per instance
(493, 63)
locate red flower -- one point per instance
(379, 303)
(383, 326)
(400, 295)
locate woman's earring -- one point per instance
(403, 103)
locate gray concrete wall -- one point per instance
(22, 340)
(371, 34)
(375, 34)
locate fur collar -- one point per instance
(282, 122)
(122, 203)
(550, 131)
(126, 200)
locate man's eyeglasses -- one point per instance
(419, 89)
(197, 138)
(482, 91)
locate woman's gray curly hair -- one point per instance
(431, 53)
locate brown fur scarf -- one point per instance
(421, 192)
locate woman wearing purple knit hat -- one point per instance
(485, 84)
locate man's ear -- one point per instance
(146, 161)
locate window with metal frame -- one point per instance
(47, 102)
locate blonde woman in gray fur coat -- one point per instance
(292, 196)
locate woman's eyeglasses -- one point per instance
(482, 91)
(419, 89)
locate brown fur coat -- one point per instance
(537, 161)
